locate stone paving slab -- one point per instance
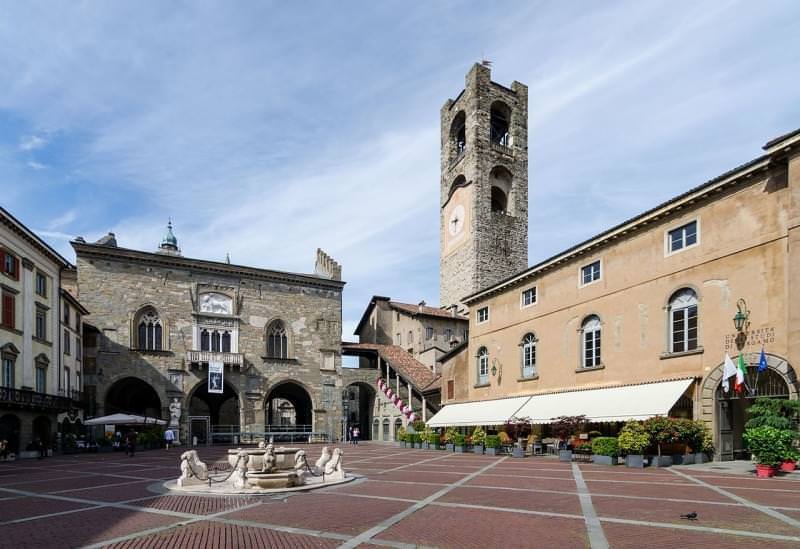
(769, 497)
(515, 499)
(24, 507)
(135, 490)
(405, 490)
(625, 536)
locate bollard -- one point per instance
(194, 441)
(236, 440)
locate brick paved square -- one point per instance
(625, 536)
(31, 506)
(406, 490)
(515, 499)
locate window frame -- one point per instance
(685, 311)
(41, 277)
(8, 365)
(596, 333)
(528, 343)
(67, 343)
(40, 385)
(429, 333)
(534, 301)
(9, 264)
(41, 335)
(668, 251)
(9, 314)
(478, 315)
(599, 263)
(153, 330)
(277, 340)
(483, 364)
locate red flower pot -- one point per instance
(788, 466)
(765, 471)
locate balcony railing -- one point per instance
(32, 399)
(234, 359)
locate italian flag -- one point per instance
(740, 370)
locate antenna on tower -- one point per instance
(486, 63)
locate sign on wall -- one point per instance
(215, 377)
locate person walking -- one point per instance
(169, 438)
(130, 443)
(356, 434)
(350, 434)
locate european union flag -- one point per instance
(762, 362)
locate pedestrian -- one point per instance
(41, 448)
(130, 443)
(169, 438)
(350, 434)
(356, 434)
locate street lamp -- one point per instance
(741, 320)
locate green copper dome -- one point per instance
(169, 240)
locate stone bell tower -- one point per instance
(484, 186)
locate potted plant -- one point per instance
(478, 440)
(662, 431)
(417, 441)
(459, 442)
(492, 445)
(433, 439)
(401, 436)
(790, 458)
(449, 438)
(564, 427)
(605, 450)
(424, 436)
(632, 441)
(768, 446)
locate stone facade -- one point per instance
(484, 186)
(188, 296)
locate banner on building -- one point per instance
(216, 370)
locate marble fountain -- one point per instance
(263, 470)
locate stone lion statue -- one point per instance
(192, 468)
(239, 476)
(333, 469)
(319, 466)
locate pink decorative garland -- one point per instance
(396, 400)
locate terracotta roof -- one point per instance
(424, 310)
(784, 137)
(401, 360)
(435, 385)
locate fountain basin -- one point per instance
(273, 481)
(284, 458)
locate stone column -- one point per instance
(25, 302)
(410, 396)
(424, 410)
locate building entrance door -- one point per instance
(200, 427)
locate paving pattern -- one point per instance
(406, 498)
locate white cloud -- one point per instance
(32, 142)
(36, 166)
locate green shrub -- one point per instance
(492, 441)
(401, 434)
(478, 436)
(432, 437)
(459, 440)
(633, 439)
(769, 412)
(768, 444)
(605, 446)
(450, 434)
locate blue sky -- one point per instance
(266, 130)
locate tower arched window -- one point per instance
(591, 336)
(528, 356)
(458, 134)
(149, 330)
(500, 119)
(501, 182)
(483, 366)
(277, 340)
(683, 321)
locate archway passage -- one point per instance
(9, 431)
(289, 408)
(360, 403)
(42, 430)
(131, 395)
(222, 411)
(731, 408)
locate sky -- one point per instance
(265, 130)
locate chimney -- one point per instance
(421, 305)
(327, 267)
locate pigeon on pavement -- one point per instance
(690, 516)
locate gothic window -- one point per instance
(149, 330)
(500, 117)
(205, 340)
(499, 200)
(458, 134)
(215, 337)
(528, 356)
(277, 340)
(591, 331)
(683, 321)
(483, 366)
(501, 182)
(226, 342)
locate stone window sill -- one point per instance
(152, 352)
(532, 378)
(666, 355)
(279, 359)
(10, 329)
(42, 341)
(592, 369)
(480, 385)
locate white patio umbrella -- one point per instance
(124, 419)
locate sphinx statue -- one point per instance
(239, 477)
(192, 468)
(319, 466)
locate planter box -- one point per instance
(477, 450)
(701, 457)
(418, 445)
(663, 461)
(459, 449)
(788, 466)
(765, 471)
(604, 460)
(518, 452)
(565, 455)
(683, 459)
(426, 445)
(635, 461)
(450, 447)
(491, 451)
(402, 444)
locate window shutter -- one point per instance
(16, 268)
(8, 310)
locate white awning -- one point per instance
(609, 404)
(484, 412)
(124, 419)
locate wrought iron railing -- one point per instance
(211, 356)
(24, 398)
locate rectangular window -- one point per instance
(591, 348)
(684, 329)
(483, 314)
(66, 342)
(67, 381)
(66, 314)
(78, 351)
(682, 237)
(9, 313)
(41, 324)
(428, 333)
(465, 335)
(77, 322)
(483, 369)
(41, 379)
(10, 265)
(448, 334)
(529, 297)
(450, 389)
(590, 273)
(41, 284)
(78, 386)
(8, 373)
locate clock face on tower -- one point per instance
(456, 222)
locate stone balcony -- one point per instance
(200, 357)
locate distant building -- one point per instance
(40, 368)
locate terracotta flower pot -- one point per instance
(765, 471)
(788, 466)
